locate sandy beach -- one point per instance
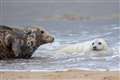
(59, 75)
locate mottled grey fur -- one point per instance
(21, 43)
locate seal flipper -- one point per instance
(12, 41)
(8, 40)
(16, 47)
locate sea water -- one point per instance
(70, 32)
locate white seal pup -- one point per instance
(95, 47)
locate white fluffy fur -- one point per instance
(87, 47)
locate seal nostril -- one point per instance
(51, 39)
(94, 47)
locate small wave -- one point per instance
(51, 46)
(54, 70)
(116, 28)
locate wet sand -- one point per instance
(59, 75)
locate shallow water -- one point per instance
(66, 32)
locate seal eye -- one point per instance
(92, 43)
(42, 32)
(99, 43)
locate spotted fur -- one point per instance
(21, 43)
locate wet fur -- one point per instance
(14, 42)
(86, 48)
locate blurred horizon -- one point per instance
(34, 11)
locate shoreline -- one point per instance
(63, 70)
(61, 75)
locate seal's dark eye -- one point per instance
(92, 43)
(99, 43)
(42, 32)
